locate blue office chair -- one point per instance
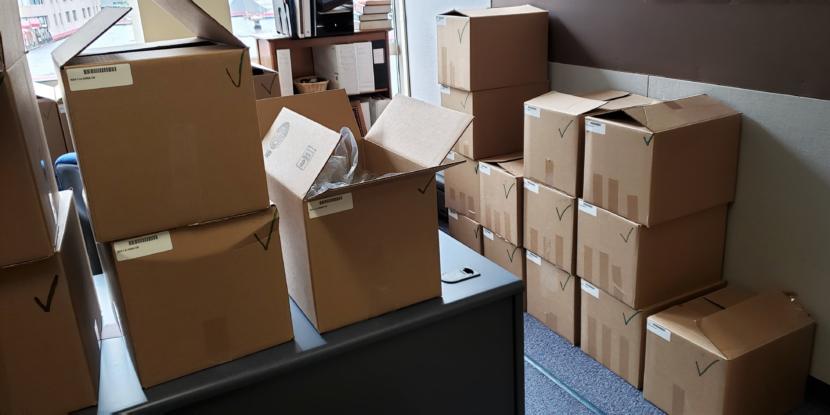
(69, 177)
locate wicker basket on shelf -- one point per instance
(309, 84)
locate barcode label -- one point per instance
(142, 246)
(483, 168)
(590, 289)
(536, 259)
(330, 205)
(452, 214)
(488, 233)
(595, 127)
(659, 330)
(445, 90)
(532, 111)
(97, 77)
(451, 156)
(587, 208)
(532, 186)
(441, 20)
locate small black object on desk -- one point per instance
(462, 353)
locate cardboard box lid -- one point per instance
(731, 322)
(566, 103)
(607, 95)
(418, 131)
(193, 17)
(511, 163)
(669, 115)
(627, 101)
(495, 11)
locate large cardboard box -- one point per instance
(55, 121)
(465, 230)
(503, 253)
(462, 189)
(27, 207)
(553, 297)
(658, 162)
(50, 324)
(364, 249)
(554, 134)
(501, 197)
(642, 266)
(550, 224)
(166, 132)
(497, 127)
(614, 333)
(729, 352)
(492, 48)
(266, 82)
(198, 296)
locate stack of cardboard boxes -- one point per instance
(554, 143)
(167, 142)
(489, 62)
(49, 317)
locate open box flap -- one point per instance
(418, 131)
(87, 34)
(296, 149)
(668, 115)
(628, 101)
(384, 179)
(606, 95)
(199, 22)
(753, 323)
(496, 11)
(514, 167)
(566, 103)
(502, 158)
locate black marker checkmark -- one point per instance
(562, 214)
(511, 255)
(426, 186)
(628, 319)
(566, 282)
(48, 306)
(267, 242)
(508, 189)
(562, 132)
(648, 139)
(466, 98)
(461, 32)
(700, 371)
(238, 82)
(270, 88)
(625, 238)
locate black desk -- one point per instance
(462, 353)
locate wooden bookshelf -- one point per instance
(302, 60)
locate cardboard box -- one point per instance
(553, 297)
(614, 333)
(47, 93)
(554, 134)
(729, 352)
(550, 224)
(497, 127)
(462, 189)
(501, 197)
(50, 353)
(492, 48)
(642, 266)
(51, 117)
(503, 253)
(28, 204)
(365, 249)
(198, 296)
(165, 133)
(658, 162)
(465, 230)
(266, 82)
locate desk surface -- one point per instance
(120, 388)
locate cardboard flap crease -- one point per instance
(496, 11)
(664, 116)
(199, 22)
(607, 95)
(566, 103)
(88, 33)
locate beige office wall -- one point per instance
(158, 25)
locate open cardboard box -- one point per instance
(362, 250)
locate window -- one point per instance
(45, 26)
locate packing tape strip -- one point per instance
(606, 346)
(597, 189)
(613, 195)
(604, 264)
(452, 195)
(588, 262)
(632, 208)
(548, 171)
(559, 250)
(508, 228)
(534, 240)
(678, 400)
(624, 356)
(616, 277)
(472, 208)
(444, 63)
(591, 335)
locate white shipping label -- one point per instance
(536, 259)
(483, 168)
(532, 111)
(379, 56)
(659, 330)
(97, 77)
(587, 208)
(451, 156)
(142, 246)
(488, 233)
(595, 127)
(330, 205)
(590, 289)
(441, 20)
(452, 214)
(532, 186)
(445, 90)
